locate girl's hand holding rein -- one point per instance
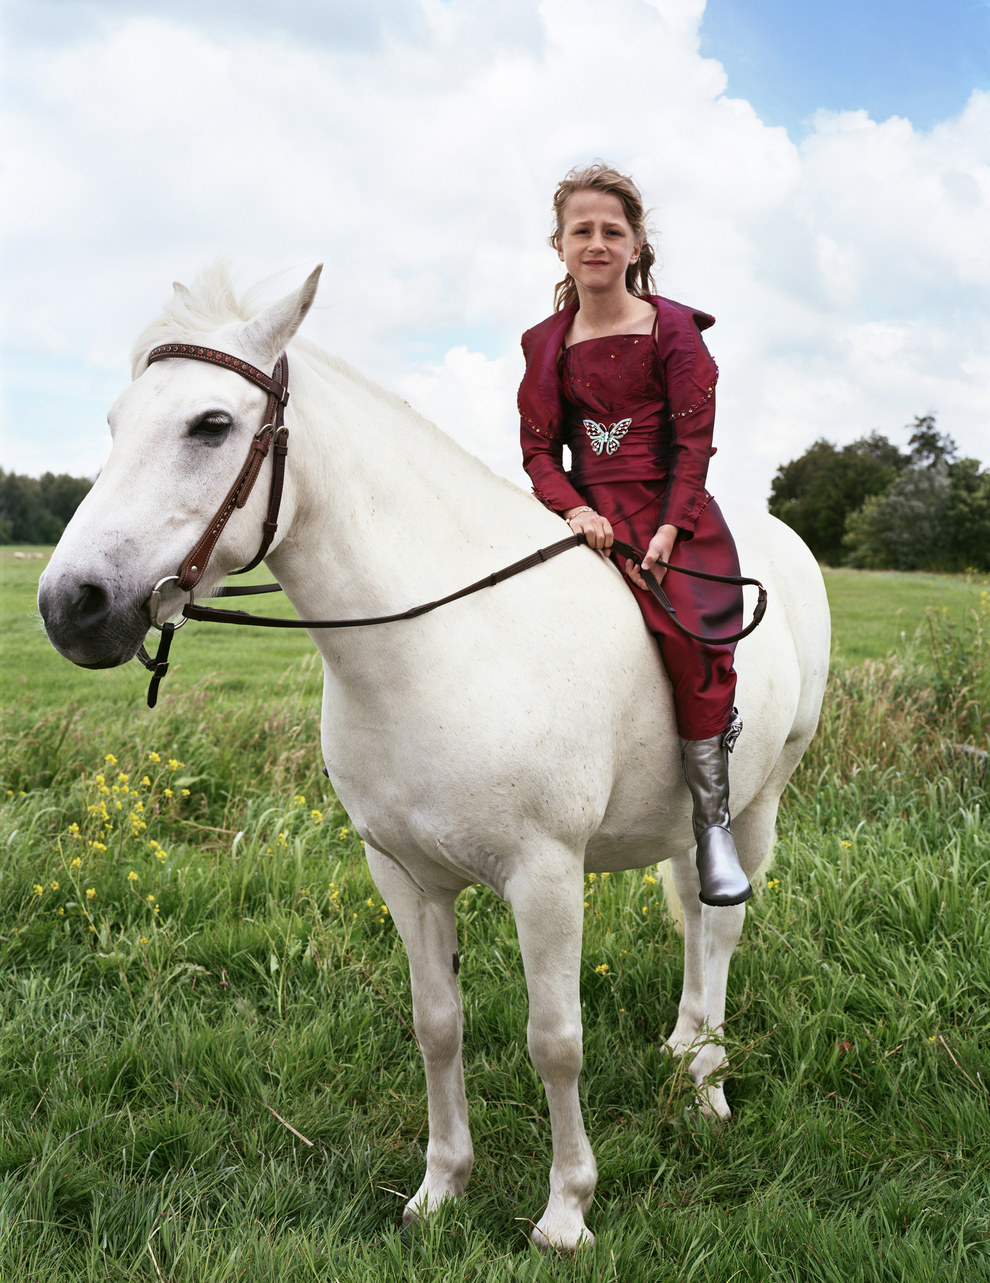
(661, 546)
(595, 528)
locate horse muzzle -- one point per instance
(91, 623)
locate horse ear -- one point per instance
(180, 291)
(269, 333)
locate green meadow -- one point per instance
(206, 1049)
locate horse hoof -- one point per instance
(563, 1245)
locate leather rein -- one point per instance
(274, 437)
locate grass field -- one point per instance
(205, 1029)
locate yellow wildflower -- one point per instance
(38, 889)
(110, 760)
(153, 757)
(316, 817)
(602, 968)
(91, 893)
(132, 876)
(53, 885)
(76, 863)
(342, 833)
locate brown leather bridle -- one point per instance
(275, 434)
(272, 436)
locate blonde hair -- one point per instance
(600, 177)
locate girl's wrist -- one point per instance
(577, 512)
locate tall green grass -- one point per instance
(206, 1051)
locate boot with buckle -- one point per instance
(706, 769)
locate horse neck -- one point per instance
(387, 511)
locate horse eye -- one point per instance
(211, 428)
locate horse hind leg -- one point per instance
(710, 938)
(428, 930)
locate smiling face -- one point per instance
(596, 243)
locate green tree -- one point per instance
(969, 516)
(908, 526)
(61, 495)
(37, 511)
(816, 493)
(930, 447)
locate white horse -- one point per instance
(519, 738)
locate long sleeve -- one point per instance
(690, 375)
(541, 414)
(543, 461)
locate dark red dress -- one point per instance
(636, 412)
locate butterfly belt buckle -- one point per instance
(606, 439)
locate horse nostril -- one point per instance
(90, 605)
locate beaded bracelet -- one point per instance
(578, 512)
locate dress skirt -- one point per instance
(702, 675)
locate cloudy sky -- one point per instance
(819, 177)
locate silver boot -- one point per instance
(706, 769)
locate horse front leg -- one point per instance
(428, 930)
(548, 903)
(710, 938)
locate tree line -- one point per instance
(874, 506)
(868, 504)
(37, 509)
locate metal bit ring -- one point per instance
(155, 600)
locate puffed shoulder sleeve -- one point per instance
(541, 416)
(690, 376)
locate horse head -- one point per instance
(181, 431)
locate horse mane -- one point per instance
(192, 315)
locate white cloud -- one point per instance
(848, 271)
